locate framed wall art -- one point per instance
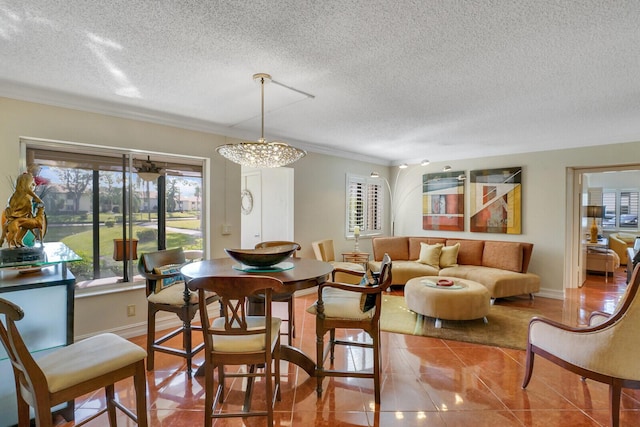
(496, 200)
(443, 201)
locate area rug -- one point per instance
(507, 326)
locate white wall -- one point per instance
(544, 201)
(25, 119)
(319, 191)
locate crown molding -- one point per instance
(22, 92)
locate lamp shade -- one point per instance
(595, 211)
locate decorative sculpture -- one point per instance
(18, 217)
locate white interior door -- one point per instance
(251, 221)
(271, 213)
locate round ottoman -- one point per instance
(465, 300)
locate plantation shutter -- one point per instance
(364, 205)
(356, 203)
(374, 212)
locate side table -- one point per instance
(356, 257)
(601, 247)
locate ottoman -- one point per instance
(465, 300)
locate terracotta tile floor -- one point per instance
(427, 382)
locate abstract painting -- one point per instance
(443, 201)
(496, 200)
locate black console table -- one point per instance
(45, 291)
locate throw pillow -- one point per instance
(430, 254)
(367, 301)
(171, 269)
(449, 256)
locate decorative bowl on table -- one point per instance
(262, 257)
(445, 282)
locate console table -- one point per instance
(44, 289)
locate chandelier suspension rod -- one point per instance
(308, 95)
(262, 108)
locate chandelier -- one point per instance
(261, 154)
(148, 171)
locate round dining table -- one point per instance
(305, 273)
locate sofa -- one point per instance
(500, 266)
(619, 242)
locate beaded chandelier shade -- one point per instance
(261, 154)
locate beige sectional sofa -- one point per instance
(500, 266)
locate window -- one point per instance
(621, 209)
(628, 217)
(365, 201)
(94, 198)
(609, 203)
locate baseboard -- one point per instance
(550, 293)
(163, 321)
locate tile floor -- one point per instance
(427, 382)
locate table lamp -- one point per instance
(356, 235)
(594, 212)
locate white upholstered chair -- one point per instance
(605, 351)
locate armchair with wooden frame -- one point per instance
(236, 338)
(349, 306)
(346, 272)
(160, 269)
(68, 372)
(605, 351)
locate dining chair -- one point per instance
(324, 251)
(235, 338)
(68, 372)
(605, 351)
(352, 307)
(168, 292)
(286, 297)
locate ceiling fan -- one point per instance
(148, 171)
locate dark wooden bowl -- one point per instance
(262, 257)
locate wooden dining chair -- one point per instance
(286, 297)
(348, 306)
(68, 372)
(167, 291)
(236, 338)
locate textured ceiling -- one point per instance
(393, 80)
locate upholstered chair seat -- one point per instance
(244, 343)
(101, 354)
(174, 295)
(343, 304)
